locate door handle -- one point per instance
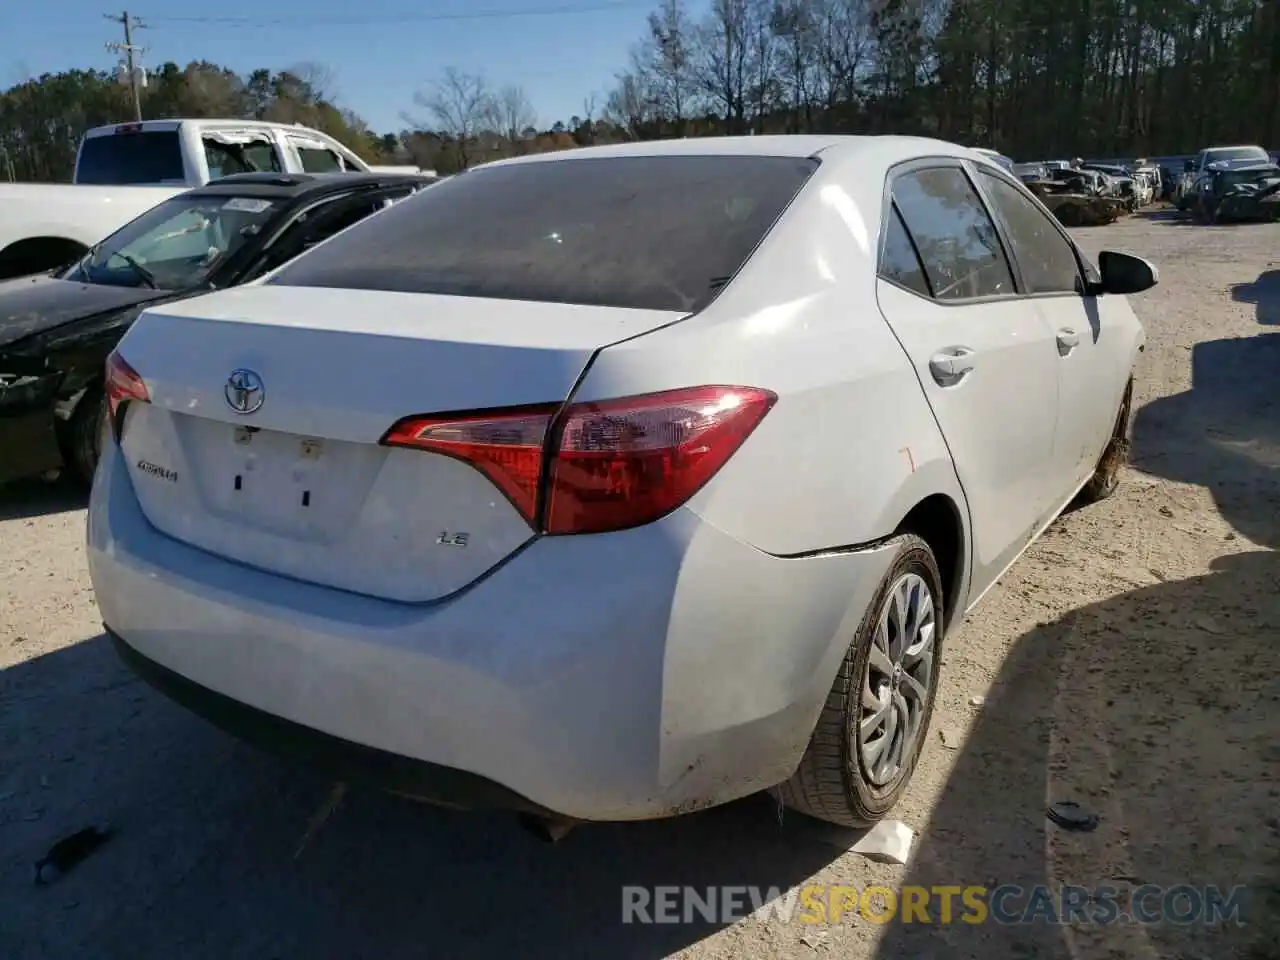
(951, 365)
(1068, 340)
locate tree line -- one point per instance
(1036, 79)
(1032, 78)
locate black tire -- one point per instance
(1106, 476)
(831, 782)
(82, 436)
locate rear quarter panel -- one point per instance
(851, 445)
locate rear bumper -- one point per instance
(620, 676)
(340, 758)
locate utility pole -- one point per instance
(128, 48)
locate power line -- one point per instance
(129, 48)
(562, 10)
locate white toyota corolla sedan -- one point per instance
(618, 483)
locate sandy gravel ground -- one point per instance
(1128, 662)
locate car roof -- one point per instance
(289, 186)
(878, 152)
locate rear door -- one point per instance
(985, 356)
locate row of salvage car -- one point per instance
(1090, 194)
(1217, 184)
(1081, 193)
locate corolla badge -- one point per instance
(244, 391)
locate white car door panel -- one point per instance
(985, 358)
(989, 373)
(1089, 384)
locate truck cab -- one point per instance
(124, 169)
(190, 153)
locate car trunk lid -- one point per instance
(301, 485)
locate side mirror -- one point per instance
(1123, 273)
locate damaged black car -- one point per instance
(57, 328)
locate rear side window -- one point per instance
(658, 233)
(1044, 255)
(151, 156)
(318, 159)
(957, 241)
(899, 262)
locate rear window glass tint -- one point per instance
(659, 233)
(124, 158)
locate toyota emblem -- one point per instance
(244, 391)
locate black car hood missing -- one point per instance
(32, 305)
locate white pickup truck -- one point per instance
(125, 169)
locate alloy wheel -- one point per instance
(897, 681)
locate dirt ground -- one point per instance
(1128, 662)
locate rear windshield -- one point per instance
(131, 158)
(658, 233)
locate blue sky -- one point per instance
(379, 51)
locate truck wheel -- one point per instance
(82, 436)
(867, 741)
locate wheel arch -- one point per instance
(37, 254)
(939, 521)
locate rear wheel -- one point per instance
(1106, 477)
(867, 741)
(82, 436)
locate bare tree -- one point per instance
(587, 130)
(842, 41)
(794, 22)
(720, 60)
(763, 86)
(666, 61)
(510, 114)
(317, 78)
(458, 104)
(631, 105)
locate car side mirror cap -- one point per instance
(1123, 273)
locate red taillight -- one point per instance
(615, 463)
(625, 462)
(505, 446)
(122, 384)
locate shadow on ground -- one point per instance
(201, 864)
(1156, 709)
(24, 499)
(1264, 294)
